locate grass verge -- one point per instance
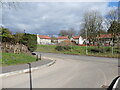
(78, 50)
(14, 59)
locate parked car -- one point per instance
(33, 53)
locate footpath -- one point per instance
(22, 68)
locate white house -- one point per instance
(62, 38)
(77, 39)
(43, 39)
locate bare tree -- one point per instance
(69, 32)
(13, 4)
(113, 24)
(111, 17)
(92, 23)
(63, 33)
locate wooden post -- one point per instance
(40, 56)
(36, 57)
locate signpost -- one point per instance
(30, 75)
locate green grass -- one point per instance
(47, 48)
(13, 59)
(78, 50)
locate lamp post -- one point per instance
(24, 31)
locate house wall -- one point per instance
(60, 40)
(81, 40)
(78, 41)
(38, 39)
(43, 41)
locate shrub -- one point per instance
(100, 50)
(61, 48)
(107, 49)
(95, 50)
(30, 40)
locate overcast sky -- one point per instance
(49, 17)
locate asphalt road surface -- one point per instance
(69, 71)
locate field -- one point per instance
(81, 50)
(13, 59)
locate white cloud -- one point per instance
(50, 17)
(59, 0)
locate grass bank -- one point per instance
(79, 50)
(13, 59)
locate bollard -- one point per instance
(40, 56)
(36, 57)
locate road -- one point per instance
(69, 71)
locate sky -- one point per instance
(48, 18)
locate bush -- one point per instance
(95, 50)
(61, 48)
(100, 50)
(30, 40)
(107, 49)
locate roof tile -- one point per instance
(44, 37)
(63, 37)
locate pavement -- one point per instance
(7, 69)
(69, 71)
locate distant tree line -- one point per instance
(30, 40)
(70, 32)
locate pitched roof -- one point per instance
(76, 37)
(63, 37)
(105, 36)
(43, 36)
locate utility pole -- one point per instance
(24, 31)
(112, 45)
(119, 12)
(86, 42)
(118, 34)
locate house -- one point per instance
(62, 38)
(105, 39)
(54, 40)
(77, 39)
(43, 39)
